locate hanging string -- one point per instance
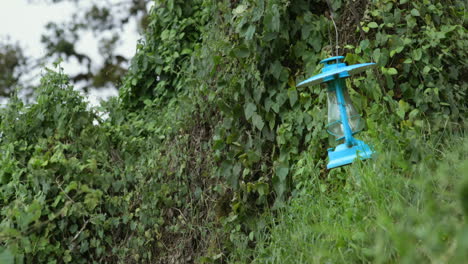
(332, 14)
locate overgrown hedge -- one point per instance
(206, 133)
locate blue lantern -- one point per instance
(343, 119)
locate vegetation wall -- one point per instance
(210, 136)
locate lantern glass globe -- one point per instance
(335, 126)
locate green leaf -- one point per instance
(257, 121)
(73, 185)
(408, 61)
(276, 69)
(364, 44)
(351, 58)
(415, 12)
(282, 172)
(249, 110)
(272, 19)
(376, 55)
(392, 71)
(373, 25)
(6, 257)
(401, 113)
(67, 257)
(241, 52)
(413, 114)
(417, 54)
(239, 9)
(292, 94)
(250, 32)
(426, 69)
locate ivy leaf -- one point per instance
(376, 55)
(415, 12)
(241, 52)
(239, 9)
(373, 25)
(413, 114)
(6, 256)
(249, 110)
(364, 44)
(426, 69)
(292, 94)
(417, 54)
(392, 71)
(272, 19)
(282, 172)
(250, 32)
(234, 175)
(268, 104)
(276, 69)
(257, 121)
(316, 43)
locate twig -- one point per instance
(81, 230)
(72, 244)
(60, 187)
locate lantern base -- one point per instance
(343, 155)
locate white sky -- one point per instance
(25, 22)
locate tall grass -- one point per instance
(387, 210)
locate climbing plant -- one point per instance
(209, 129)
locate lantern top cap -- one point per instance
(337, 59)
(335, 69)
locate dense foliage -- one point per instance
(209, 138)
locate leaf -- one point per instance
(249, 110)
(268, 104)
(408, 61)
(257, 121)
(6, 257)
(276, 69)
(413, 114)
(239, 9)
(364, 44)
(351, 58)
(282, 172)
(373, 25)
(272, 19)
(73, 185)
(403, 108)
(392, 71)
(417, 54)
(415, 12)
(376, 55)
(250, 32)
(426, 69)
(234, 176)
(241, 51)
(401, 113)
(292, 94)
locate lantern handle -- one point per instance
(338, 59)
